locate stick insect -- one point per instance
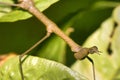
(80, 52)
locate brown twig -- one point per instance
(51, 27)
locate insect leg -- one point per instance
(92, 66)
(27, 51)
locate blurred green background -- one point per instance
(85, 16)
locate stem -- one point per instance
(21, 69)
(36, 44)
(50, 25)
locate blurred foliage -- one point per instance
(107, 38)
(85, 16)
(41, 68)
(8, 13)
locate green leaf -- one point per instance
(10, 15)
(35, 68)
(105, 4)
(107, 65)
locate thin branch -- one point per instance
(20, 67)
(36, 44)
(27, 51)
(51, 27)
